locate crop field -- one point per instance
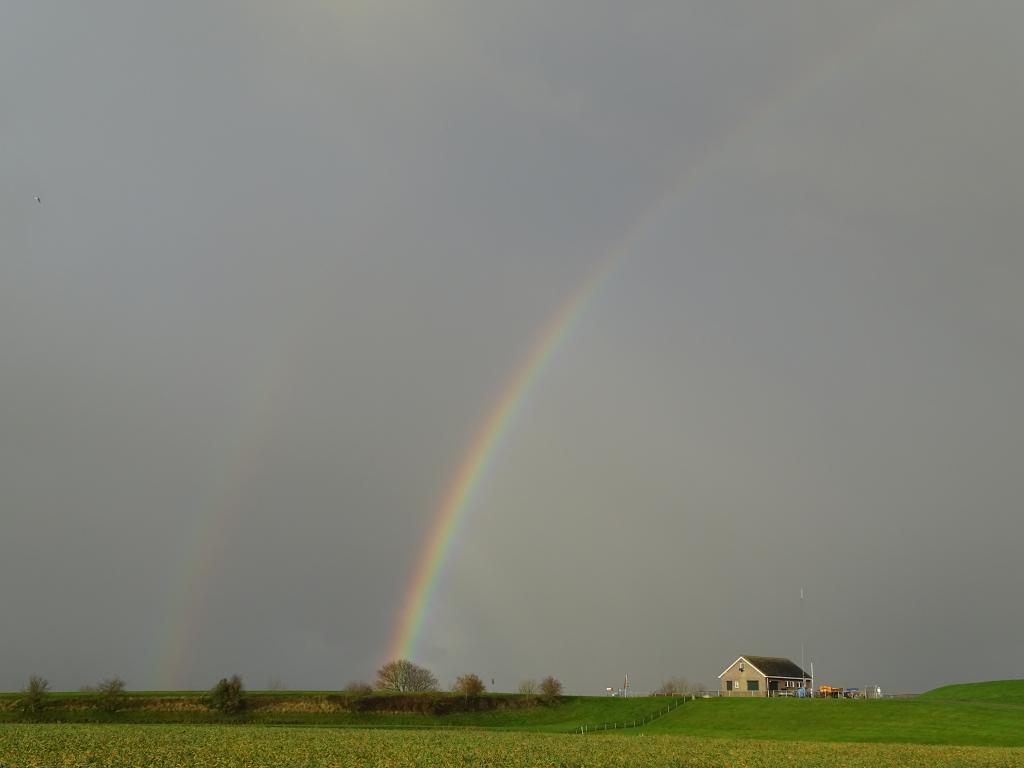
(172, 746)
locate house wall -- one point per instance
(740, 680)
(783, 684)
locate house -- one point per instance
(761, 676)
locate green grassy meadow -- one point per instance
(965, 725)
(1002, 692)
(981, 714)
(908, 721)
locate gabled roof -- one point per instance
(772, 666)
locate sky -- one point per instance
(289, 256)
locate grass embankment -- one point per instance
(1000, 692)
(260, 747)
(494, 711)
(977, 718)
(982, 714)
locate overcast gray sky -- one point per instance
(289, 254)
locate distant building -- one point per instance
(761, 676)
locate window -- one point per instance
(728, 685)
(752, 685)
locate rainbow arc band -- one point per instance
(478, 459)
(257, 411)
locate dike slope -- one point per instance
(1010, 692)
(893, 721)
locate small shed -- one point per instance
(761, 676)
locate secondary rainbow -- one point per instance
(229, 480)
(478, 459)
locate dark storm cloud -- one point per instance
(288, 255)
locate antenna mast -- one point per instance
(803, 673)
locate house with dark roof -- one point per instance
(761, 676)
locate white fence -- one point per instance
(792, 694)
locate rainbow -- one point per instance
(479, 458)
(229, 482)
(226, 497)
(480, 455)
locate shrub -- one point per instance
(358, 688)
(111, 695)
(228, 695)
(34, 695)
(550, 689)
(470, 687)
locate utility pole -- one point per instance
(803, 672)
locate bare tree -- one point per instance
(528, 687)
(402, 675)
(679, 686)
(672, 687)
(111, 694)
(470, 686)
(550, 688)
(34, 695)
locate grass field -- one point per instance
(980, 724)
(1002, 692)
(912, 721)
(983, 714)
(107, 746)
